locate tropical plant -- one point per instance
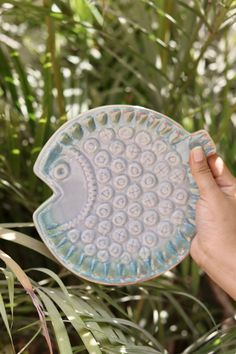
(58, 58)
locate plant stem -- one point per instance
(51, 48)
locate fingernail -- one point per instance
(198, 154)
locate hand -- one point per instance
(214, 246)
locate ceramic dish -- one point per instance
(123, 204)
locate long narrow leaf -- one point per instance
(10, 284)
(86, 336)
(63, 341)
(27, 241)
(5, 319)
(25, 282)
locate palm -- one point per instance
(215, 211)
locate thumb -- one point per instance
(201, 172)
(221, 173)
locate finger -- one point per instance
(201, 172)
(220, 171)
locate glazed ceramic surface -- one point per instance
(123, 203)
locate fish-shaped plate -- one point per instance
(123, 204)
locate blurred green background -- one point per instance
(58, 59)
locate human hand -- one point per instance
(214, 246)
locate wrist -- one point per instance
(219, 265)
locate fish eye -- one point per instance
(61, 171)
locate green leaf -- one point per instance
(195, 276)
(86, 10)
(138, 330)
(10, 284)
(5, 319)
(25, 282)
(60, 331)
(25, 86)
(86, 336)
(182, 313)
(27, 241)
(102, 333)
(9, 82)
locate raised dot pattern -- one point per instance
(140, 199)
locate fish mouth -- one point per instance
(72, 200)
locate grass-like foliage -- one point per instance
(59, 58)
